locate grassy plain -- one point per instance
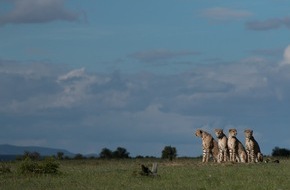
(178, 174)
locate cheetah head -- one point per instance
(248, 133)
(219, 133)
(233, 132)
(198, 133)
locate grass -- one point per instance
(178, 174)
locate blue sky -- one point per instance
(84, 75)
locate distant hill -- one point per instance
(10, 150)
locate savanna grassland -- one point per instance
(176, 174)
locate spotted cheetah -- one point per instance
(209, 145)
(252, 147)
(236, 149)
(222, 144)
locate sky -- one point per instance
(94, 74)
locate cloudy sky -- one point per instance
(84, 75)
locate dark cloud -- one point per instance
(225, 14)
(268, 52)
(269, 24)
(162, 54)
(36, 11)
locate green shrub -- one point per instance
(4, 168)
(48, 166)
(28, 166)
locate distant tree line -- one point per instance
(118, 153)
(280, 152)
(168, 152)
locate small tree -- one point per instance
(79, 157)
(106, 153)
(60, 155)
(121, 153)
(31, 155)
(169, 152)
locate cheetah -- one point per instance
(252, 147)
(222, 144)
(209, 145)
(236, 149)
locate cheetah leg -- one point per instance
(243, 157)
(248, 155)
(225, 156)
(205, 156)
(232, 156)
(220, 155)
(252, 156)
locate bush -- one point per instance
(280, 152)
(31, 155)
(79, 157)
(4, 168)
(48, 166)
(169, 152)
(28, 166)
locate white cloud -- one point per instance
(77, 73)
(75, 86)
(286, 60)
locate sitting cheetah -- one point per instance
(236, 148)
(222, 144)
(209, 145)
(252, 147)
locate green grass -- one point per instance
(178, 174)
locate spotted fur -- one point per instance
(222, 145)
(252, 147)
(209, 145)
(236, 149)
